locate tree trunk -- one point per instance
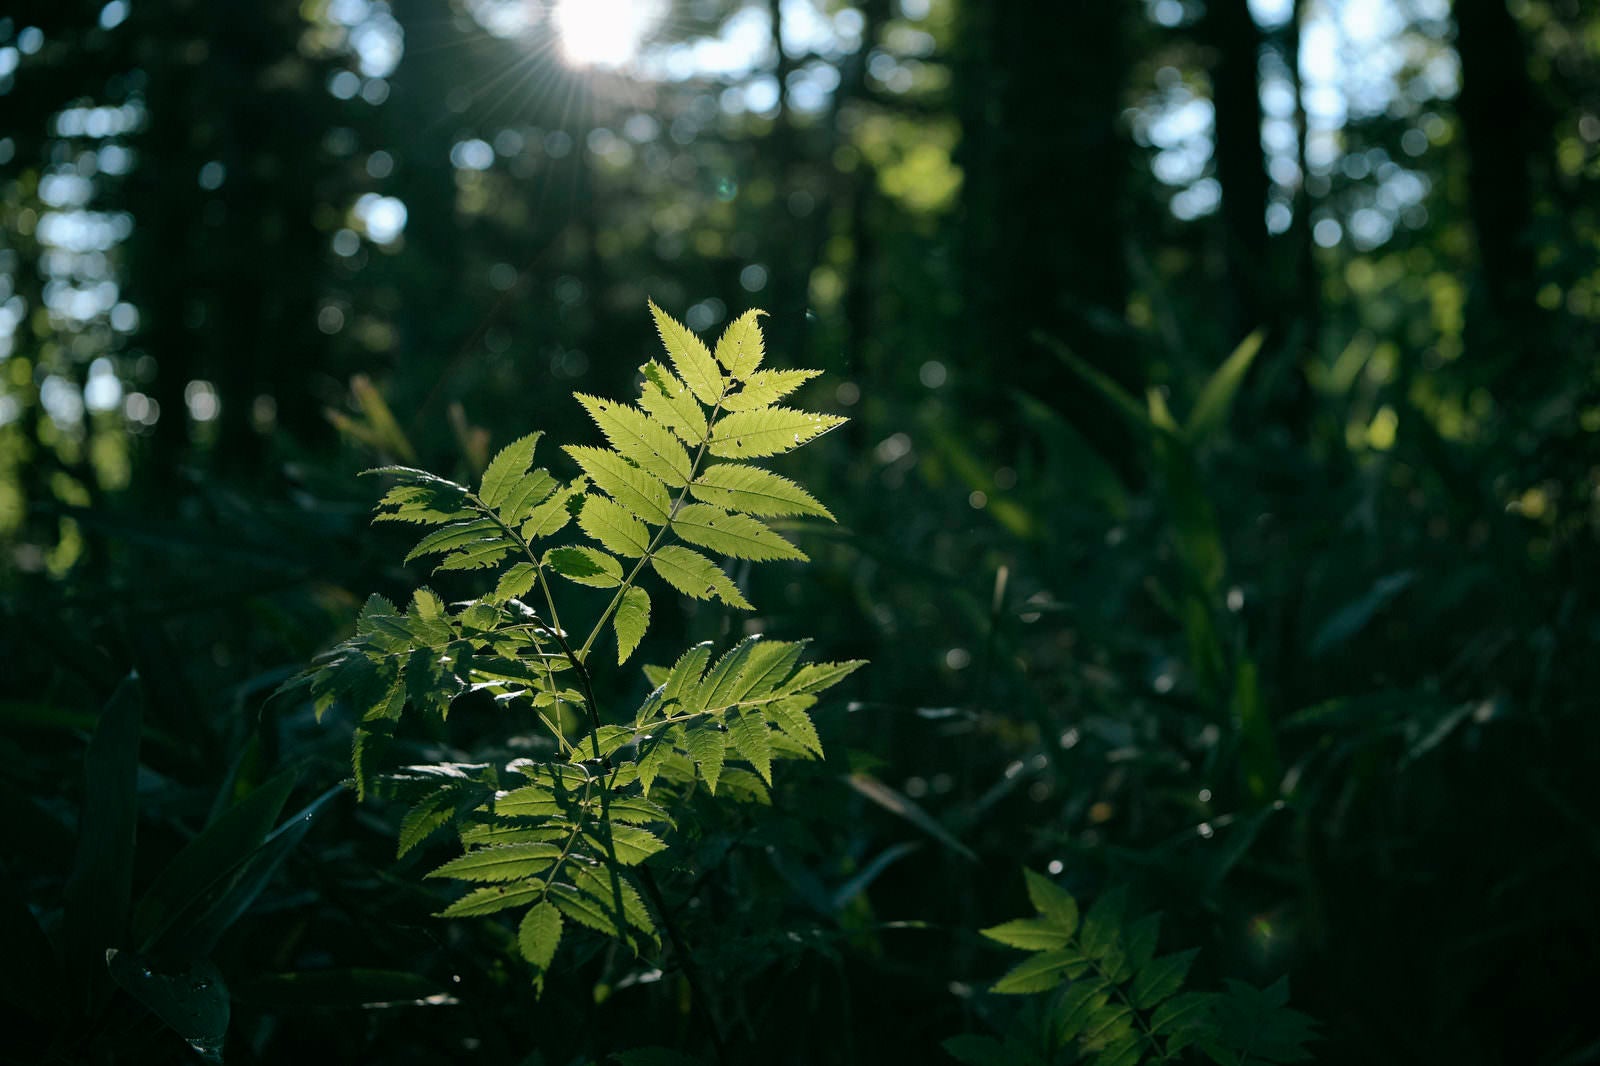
(1502, 133)
(1241, 164)
(1046, 167)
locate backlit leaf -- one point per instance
(1052, 901)
(672, 403)
(707, 745)
(539, 934)
(719, 681)
(789, 715)
(771, 431)
(739, 349)
(633, 843)
(617, 530)
(585, 565)
(747, 730)
(1030, 934)
(814, 677)
(457, 535)
(505, 470)
(510, 863)
(736, 487)
(642, 494)
(686, 672)
(477, 555)
(1038, 973)
(493, 899)
(517, 581)
(635, 435)
(767, 387)
(736, 535)
(690, 357)
(530, 490)
(551, 516)
(631, 621)
(696, 576)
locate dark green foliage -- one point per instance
(1292, 641)
(1113, 1001)
(158, 949)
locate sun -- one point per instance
(604, 33)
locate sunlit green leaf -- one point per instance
(505, 471)
(513, 862)
(673, 403)
(642, 494)
(539, 934)
(493, 899)
(616, 530)
(740, 349)
(631, 621)
(690, 357)
(736, 487)
(696, 576)
(770, 431)
(736, 535)
(767, 387)
(586, 566)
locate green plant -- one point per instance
(1114, 1002)
(561, 835)
(160, 950)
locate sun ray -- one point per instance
(604, 33)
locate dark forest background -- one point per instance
(1299, 649)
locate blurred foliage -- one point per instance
(1291, 644)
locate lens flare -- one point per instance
(604, 33)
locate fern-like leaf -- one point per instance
(1114, 1002)
(559, 839)
(690, 357)
(696, 576)
(631, 622)
(736, 535)
(740, 348)
(768, 431)
(736, 487)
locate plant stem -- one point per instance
(691, 972)
(655, 542)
